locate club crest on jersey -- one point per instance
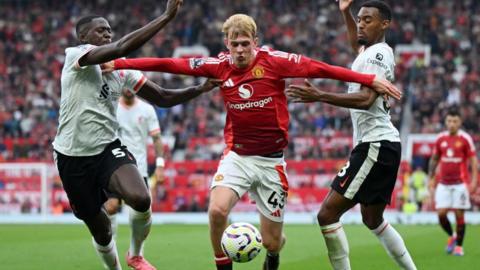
(258, 72)
(245, 91)
(379, 56)
(458, 144)
(218, 177)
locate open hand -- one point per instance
(384, 87)
(303, 93)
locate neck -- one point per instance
(380, 39)
(128, 101)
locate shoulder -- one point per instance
(380, 52)
(273, 55)
(78, 50)
(442, 135)
(463, 134)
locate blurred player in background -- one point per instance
(370, 174)
(256, 131)
(137, 122)
(89, 156)
(454, 148)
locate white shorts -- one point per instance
(452, 196)
(264, 178)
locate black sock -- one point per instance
(460, 232)
(272, 261)
(446, 226)
(227, 266)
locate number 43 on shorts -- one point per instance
(274, 200)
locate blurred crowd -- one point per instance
(34, 35)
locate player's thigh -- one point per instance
(222, 200)
(229, 183)
(270, 191)
(86, 195)
(443, 197)
(333, 207)
(372, 215)
(460, 197)
(120, 173)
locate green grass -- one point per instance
(187, 247)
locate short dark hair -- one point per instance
(383, 8)
(454, 112)
(84, 20)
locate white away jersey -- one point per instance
(374, 124)
(88, 104)
(137, 123)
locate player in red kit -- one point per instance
(256, 130)
(454, 148)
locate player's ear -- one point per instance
(255, 41)
(225, 41)
(385, 24)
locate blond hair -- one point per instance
(239, 24)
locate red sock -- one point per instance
(223, 262)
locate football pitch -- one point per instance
(176, 247)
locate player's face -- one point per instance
(242, 49)
(370, 26)
(99, 32)
(453, 123)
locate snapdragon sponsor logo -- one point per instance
(251, 104)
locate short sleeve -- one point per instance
(133, 79)
(436, 147)
(379, 60)
(75, 53)
(153, 125)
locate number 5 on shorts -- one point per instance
(118, 153)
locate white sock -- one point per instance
(108, 254)
(113, 221)
(337, 246)
(140, 224)
(394, 245)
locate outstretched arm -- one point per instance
(162, 97)
(132, 41)
(202, 67)
(345, 6)
(309, 93)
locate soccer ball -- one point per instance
(241, 242)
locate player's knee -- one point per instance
(140, 202)
(217, 213)
(372, 222)
(325, 217)
(272, 244)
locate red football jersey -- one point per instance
(454, 152)
(257, 113)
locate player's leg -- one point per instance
(333, 207)
(273, 240)
(461, 202)
(127, 182)
(443, 202)
(222, 200)
(86, 197)
(112, 206)
(228, 186)
(460, 219)
(391, 240)
(129, 185)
